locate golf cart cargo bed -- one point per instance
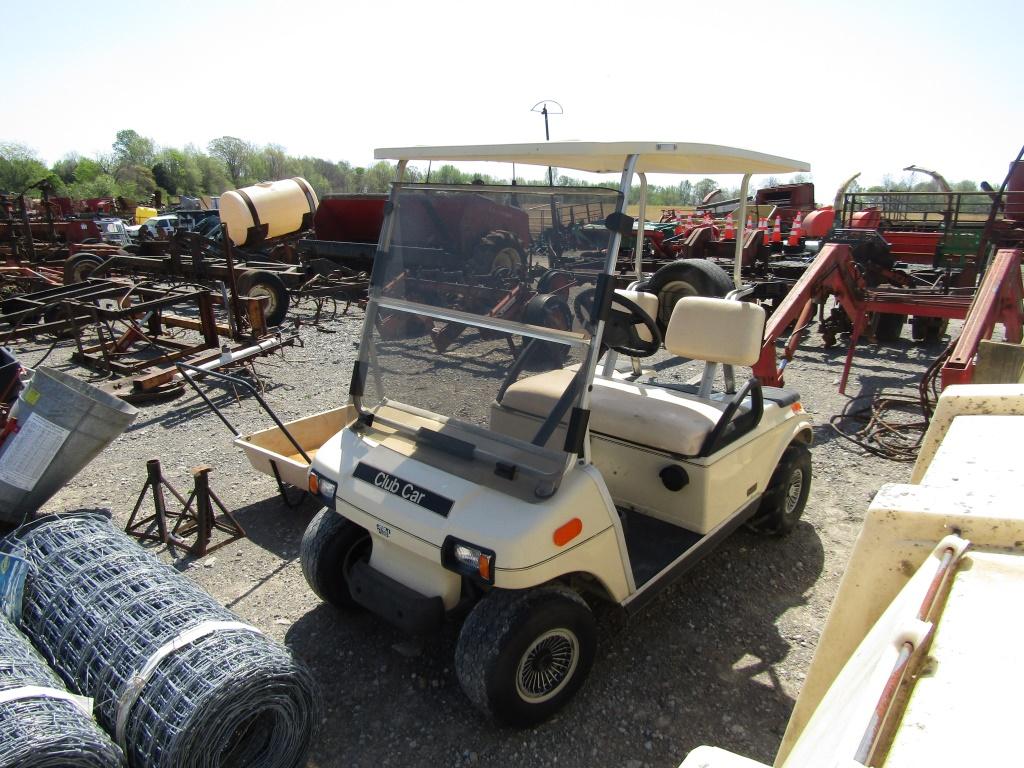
(270, 447)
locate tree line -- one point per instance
(136, 168)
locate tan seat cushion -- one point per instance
(719, 330)
(648, 415)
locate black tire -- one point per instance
(786, 496)
(330, 545)
(498, 251)
(928, 329)
(549, 310)
(78, 267)
(521, 655)
(686, 277)
(888, 327)
(259, 282)
(56, 313)
(555, 280)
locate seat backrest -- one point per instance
(716, 330)
(648, 302)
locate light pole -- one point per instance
(547, 133)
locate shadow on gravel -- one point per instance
(268, 524)
(700, 666)
(188, 407)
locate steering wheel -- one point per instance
(620, 327)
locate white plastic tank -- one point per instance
(268, 209)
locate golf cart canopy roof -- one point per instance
(609, 156)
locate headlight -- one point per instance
(468, 559)
(328, 488)
(321, 486)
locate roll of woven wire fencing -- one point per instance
(41, 724)
(177, 679)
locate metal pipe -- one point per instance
(184, 367)
(232, 283)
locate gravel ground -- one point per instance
(718, 659)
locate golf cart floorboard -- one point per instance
(653, 544)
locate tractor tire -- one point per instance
(498, 251)
(888, 327)
(521, 655)
(78, 267)
(259, 282)
(686, 277)
(330, 545)
(548, 310)
(786, 496)
(930, 330)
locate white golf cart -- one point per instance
(522, 468)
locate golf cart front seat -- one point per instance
(671, 418)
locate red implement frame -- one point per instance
(998, 300)
(833, 272)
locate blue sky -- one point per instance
(867, 86)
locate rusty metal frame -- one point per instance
(833, 272)
(997, 300)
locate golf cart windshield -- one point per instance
(464, 300)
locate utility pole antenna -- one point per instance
(543, 109)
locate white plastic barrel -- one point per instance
(267, 210)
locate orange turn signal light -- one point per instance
(314, 483)
(484, 564)
(797, 408)
(566, 533)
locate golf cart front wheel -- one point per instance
(784, 500)
(330, 546)
(522, 655)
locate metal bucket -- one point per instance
(62, 423)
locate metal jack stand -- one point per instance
(204, 521)
(201, 520)
(143, 529)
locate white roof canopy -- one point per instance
(608, 157)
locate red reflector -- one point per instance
(568, 532)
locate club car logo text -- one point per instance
(403, 489)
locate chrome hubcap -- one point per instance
(547, 665)
(796, 486)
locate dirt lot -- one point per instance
(718, 659)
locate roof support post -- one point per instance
(590, 364)
(741, 232)
(638, 253)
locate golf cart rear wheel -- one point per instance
(784, 500)
(522, 655)
(261, 283)
(498, 251)
(78, 267)
(686, 277)
(330, 546)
